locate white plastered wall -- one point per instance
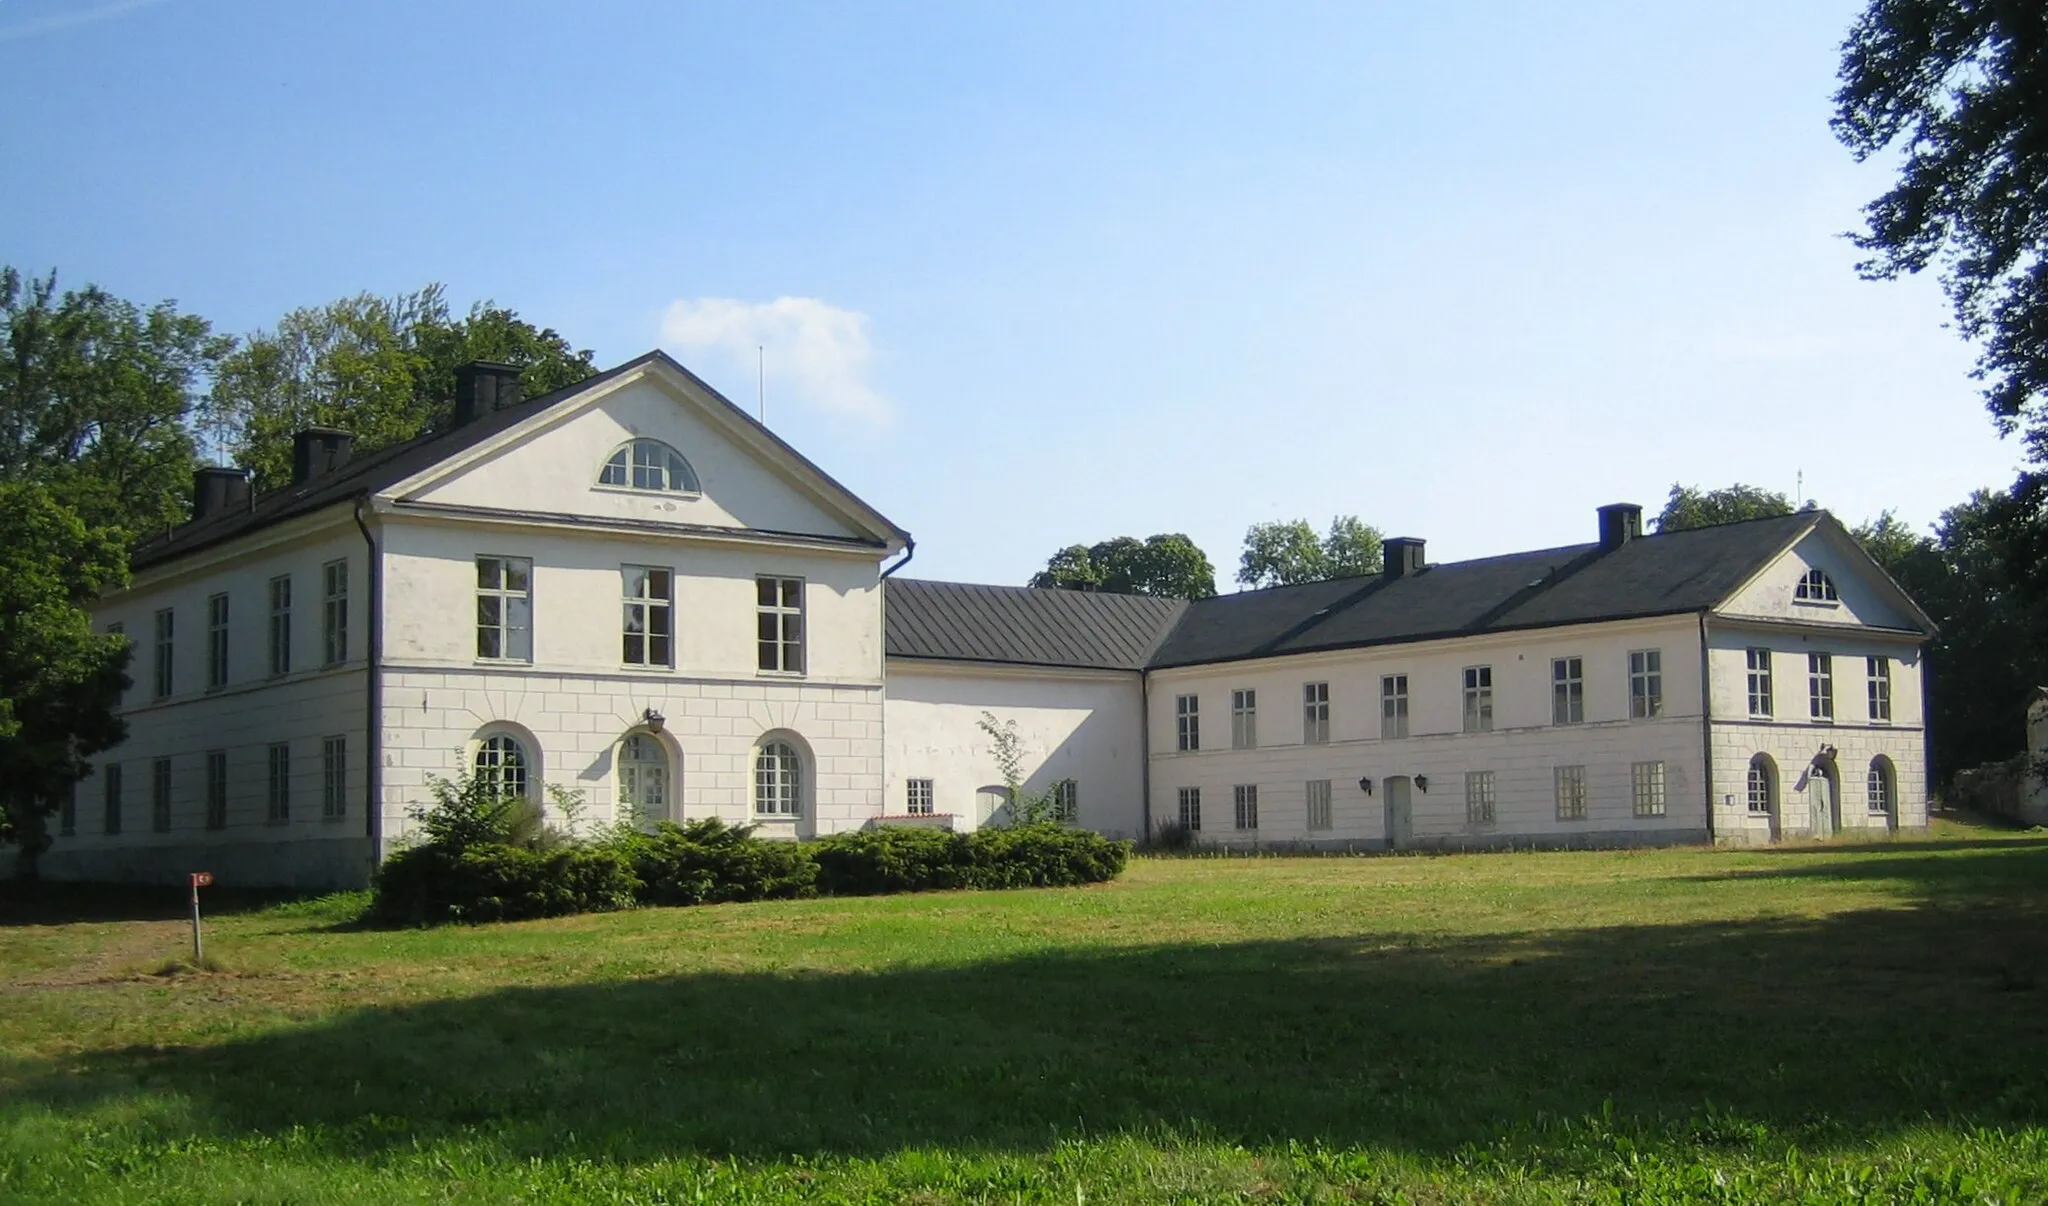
(1083, 725)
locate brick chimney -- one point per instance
(318, 451)
(1400, 556)
(217, 490)
(1619, 524)
(483, 386)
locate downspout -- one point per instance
(373, 779)
(1145, 747)
(1707, 724)
(909, 551)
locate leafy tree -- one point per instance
(1692, 507)
(59, 681)
(1890, 541)
(381, 368)
(1961, 86)
(1282, 554)
(1025, 808)
(1168, 565)
(95, 397)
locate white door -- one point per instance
(643, 781)
(1824, 797)
(1400, 813)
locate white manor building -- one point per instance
(632, 590)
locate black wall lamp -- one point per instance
(653, 719)
(1422, 783)
(1365, 785)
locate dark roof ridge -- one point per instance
(1106, 594)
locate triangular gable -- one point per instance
(1866, 596)
(549, 463)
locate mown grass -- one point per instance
(1817, 1023)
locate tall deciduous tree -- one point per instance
(1167, 565)
(1692, 507)
(59, 681)
(1282, 554)
(381, 368)
(1961, 86)
(95, 397)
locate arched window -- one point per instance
(649, 465)
(502, 761)
(1816, 587)
(643, 780)
(778, 780)
(1763, 786)
(1883, 787)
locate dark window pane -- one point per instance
(764, 591)
(792, 592)
(658, 650)
(486, 574)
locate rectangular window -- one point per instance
(281, 625)
(1820, 686)
(1244, 720)
(1315, 713)
(1880, 671)
(279, 811)
(166, 640)
(1319, 804)
(1479, 797)
(650, 615)
(504, 608)
(119, 630)
(1191, 809)
(1645, 684)
(160, 795)
(1187, 721)
(1479, 699)
(333, 778)
(1066, 802)
(334, 612)
(1393, 706)
(216, 642)
(1245, 797)
(1760, 682)
(217, 789)
(1648, 781)
(1567, 690)
(1571, 793)
(917, 797)
(111, 790)
(780, 623)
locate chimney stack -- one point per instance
(1619, 524)
(216, 491)
(1400, 556)
(483, 386)
(318, 451)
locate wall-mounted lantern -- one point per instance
(1422, 783)
(1365, 785)
(653, 719)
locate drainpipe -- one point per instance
(1145, 748)
(373, 716)
(1707, 725)
(909, 551)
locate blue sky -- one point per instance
(1031, 274)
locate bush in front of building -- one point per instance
(874, 862)
(495, 881)
(710, 862)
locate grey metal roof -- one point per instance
(1665, 574)
(1020, 625)
(373, 471)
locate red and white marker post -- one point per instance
(200, 879)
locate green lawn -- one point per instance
(1816, 1023)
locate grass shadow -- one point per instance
(54, 903)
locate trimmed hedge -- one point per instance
(709, 862)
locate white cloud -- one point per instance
(70, 19)
(817, 354)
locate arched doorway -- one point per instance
(646, 793)
(1763, 793)
(1824, 797)
(1400, 811)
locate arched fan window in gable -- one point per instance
(1816, 587)
(649, 465)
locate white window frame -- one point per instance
(779, 626)
(1645, 684)
(1820, 687)
(1315, 713)
(778, 780)
(280, 593)
(1244, 719)
(503, 759)
(653, 614)
(1568, 690)
(1646, 789)
(1244, 807)
(1316, 792)
(918, 798)
(333, 778)
(1481, 801)
(1761, 787)
(164, 677)
(1191, 809)
(1569, 783)
(1187, 722)
(1760, 700)
(1881, 786)
(1393, 707)
(1478, 689)
(1878, 673)
(277, 798)
(1815, 586)
(512, 640)
(216, 641)
(648, 466)
(334, 612)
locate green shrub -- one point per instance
(495, 882)
(1045, 856)
(876, 861)
(710, 862)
